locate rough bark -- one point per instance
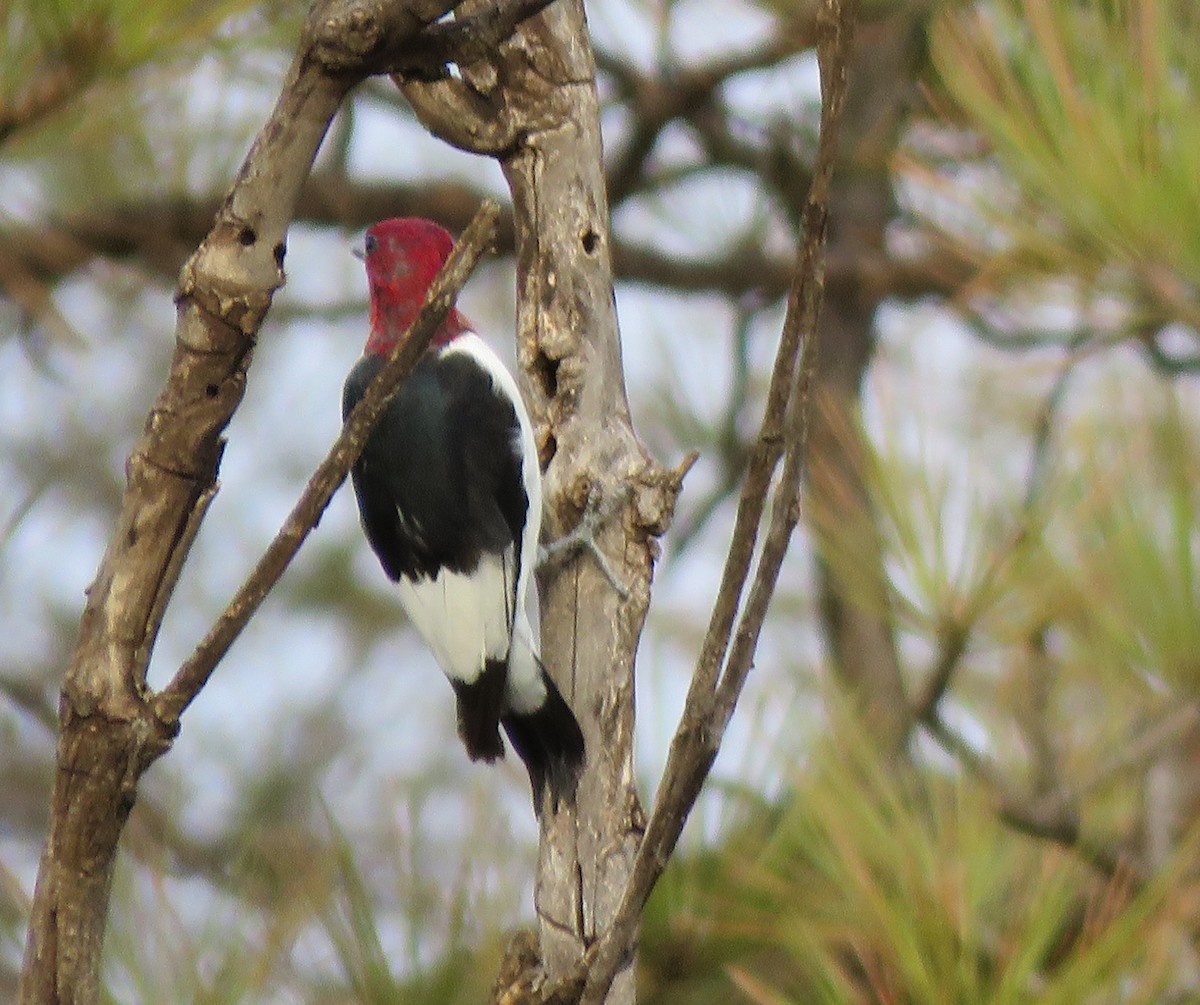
(109, 731)
(858, 630)
(567, 329)
(111, 726)
(535, 108)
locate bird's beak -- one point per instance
(359, 254)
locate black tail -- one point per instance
(550, 743)
(479, 712)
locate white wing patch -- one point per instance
(464, 619)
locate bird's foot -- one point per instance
(583, 538)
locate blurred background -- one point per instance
(965, 766)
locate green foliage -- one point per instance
(872, 886)
(54, 49)
(92, 93)
(284, 911)
(1128, 548)
(1090, 106)
(952, 553)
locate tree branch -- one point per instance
(111, 728)
(721, 669)
(1047, 819)
(158, 234)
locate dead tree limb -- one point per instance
(111, 726)
(534, 107)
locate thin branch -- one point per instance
(954, 637)
(721, 670)
(730, 449)
(955, 632)
(1038, 729)
(45, 95)
(332, 471)
(583, 537)
(1043, 431)
(33, 296)
(678, 93)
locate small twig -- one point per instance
(34, 297)
(1043, 434)
(328, 477)
(1039, 730)
(955, 634)
(731, 453)
(677, 93)
(954, 638)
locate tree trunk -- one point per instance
(535, 108)
(571, 357)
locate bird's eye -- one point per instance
(370, 244)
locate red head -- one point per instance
(403, 256)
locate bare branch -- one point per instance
(33, 296)
(43, 96)
(679, 93)
(111, 725)
(719, 677)
(953, 637)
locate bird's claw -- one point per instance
(583, 538)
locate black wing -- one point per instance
(439, 482)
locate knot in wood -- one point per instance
(346, 34)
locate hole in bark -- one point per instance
(280, 251)
(212, 390)
(547, 373)
(590, 241)
(131, 537)
(547, 451)
(247, 236)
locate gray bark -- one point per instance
(111, 726)
(535, 108)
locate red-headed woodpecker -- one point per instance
(450, 496)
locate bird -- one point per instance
(449, 495)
